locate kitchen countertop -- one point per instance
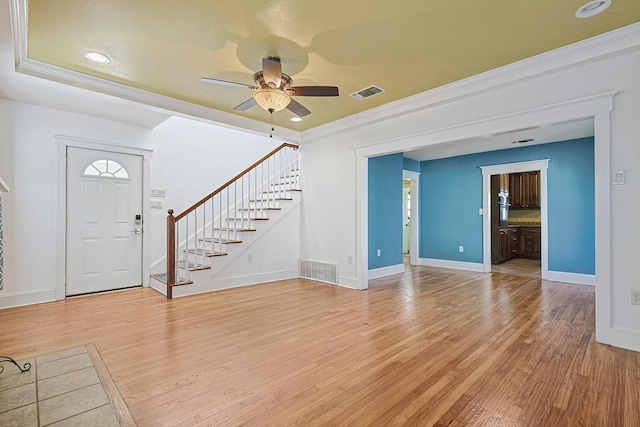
(524, 224)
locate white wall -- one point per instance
(182, 148)
(190, 160)
(330, 211)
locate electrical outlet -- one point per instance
(349, 259)
(378, 252)
(460, 248)
(634, 296)
(480, 211)
(249, 258)
(155, 204)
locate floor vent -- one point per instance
(367, 92)
(320, 271)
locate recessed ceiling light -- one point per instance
(296, 119)
(593, 8)
(97, 57)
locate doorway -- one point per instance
(516, 223)
(502, 242)
(406, 217)
(104, 221)
(411, 215)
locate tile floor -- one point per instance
(60, 389)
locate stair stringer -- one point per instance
(274, 248)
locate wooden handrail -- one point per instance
(222, 187)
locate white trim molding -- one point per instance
(17, 299)
(577, 278)
(414, 223)
(390, 270)
(455, 265)
(487, 171)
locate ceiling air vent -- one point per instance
(522, 141)
(367, 92)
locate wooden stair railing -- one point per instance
(203, 230)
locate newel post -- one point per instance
(171, 253)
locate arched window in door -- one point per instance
(106, 168)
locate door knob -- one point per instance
(137, 231)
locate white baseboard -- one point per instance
(456, 265)
(17, 299)
(625, 338)
(253, 279)
(348, 282)
(390, 270)
(232, 282)
(577, 278)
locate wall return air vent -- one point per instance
(320, 271)
(367, 92)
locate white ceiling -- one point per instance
(541, 135)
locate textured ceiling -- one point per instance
(404, 46)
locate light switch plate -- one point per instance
(155, 204)
(156, 192)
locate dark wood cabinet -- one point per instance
(514, 242)
(508, 244)
(530, 242)
(504, 248)
(524, 190)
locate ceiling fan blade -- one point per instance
(225, 83)
(298, 109)
(314, 91)
(246, 105)
(272, 70)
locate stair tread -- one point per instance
(270, 200)
(162, 277)
(260, 209)
(234, 229)
(206, 252)
(192, 266)
(248, 218)
(219, 240)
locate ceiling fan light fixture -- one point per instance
(272, 99)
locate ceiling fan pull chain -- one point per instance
(271, 122)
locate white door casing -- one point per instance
(104, 237)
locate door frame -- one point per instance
(62, 142)
(487, 171)
(414, 224)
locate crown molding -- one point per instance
(162, 103)
(614, 42)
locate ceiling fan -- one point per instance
(273, 90)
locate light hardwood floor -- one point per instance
(519, 266)
(429, 347)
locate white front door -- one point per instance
(104, 222)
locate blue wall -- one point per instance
(410, 164)
(385, 210)
(451, 194)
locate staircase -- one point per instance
(206, 230)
